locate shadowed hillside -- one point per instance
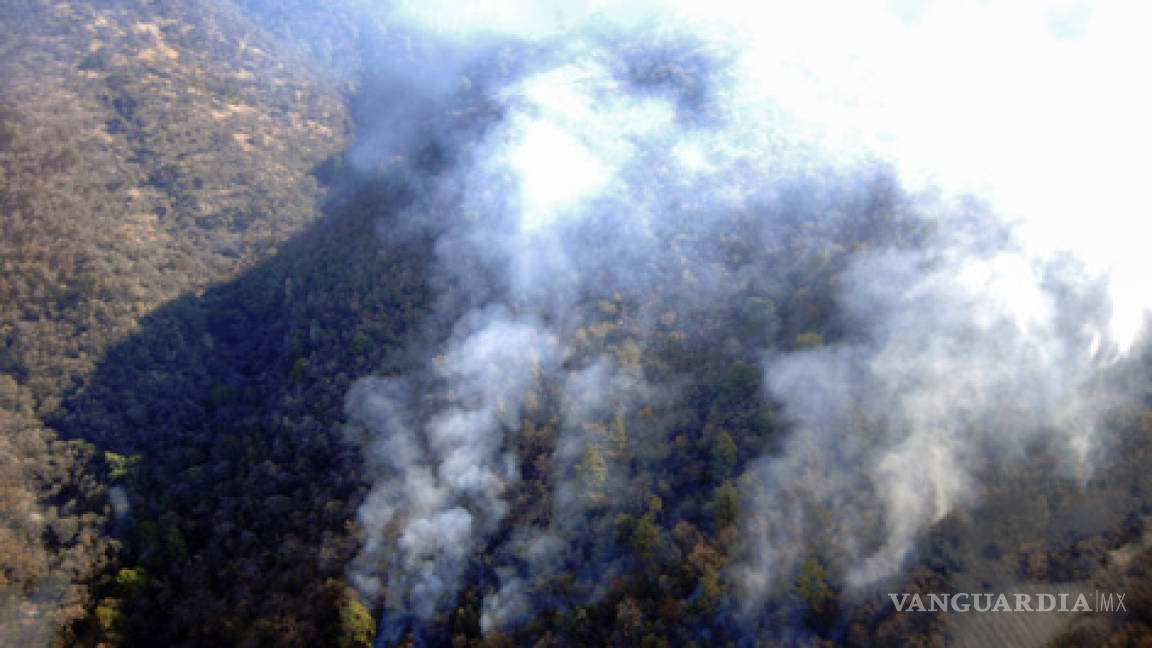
(146, 150)
(218, 417)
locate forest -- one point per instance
(339, 323)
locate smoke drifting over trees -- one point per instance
(569, 323)
(610, 184)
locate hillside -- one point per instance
(328, 323)
(148, 151)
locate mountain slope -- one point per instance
(146, 150)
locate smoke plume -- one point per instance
(606, 180)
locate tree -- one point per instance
(725, 504)
(129, 581)
(593, 469)
(711, 589)
(723, 454)
(812, 587)
(618, 434)
(357, 627)
(645, 535)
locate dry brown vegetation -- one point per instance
(146, 150)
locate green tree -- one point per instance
(725, 504)
(593, 469)
(723, 454)
(357, 627)
(618, 434)
(645, 536)
(812, 587)
(711, 589)
(121, 467)
(110, 618)
(129, 580)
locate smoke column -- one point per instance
(599, 149)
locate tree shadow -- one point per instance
(234, 491)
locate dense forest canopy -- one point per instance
(614, 323)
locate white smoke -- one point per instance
(439, 482)
(960, 357)
(622, 135)
(603, 391)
